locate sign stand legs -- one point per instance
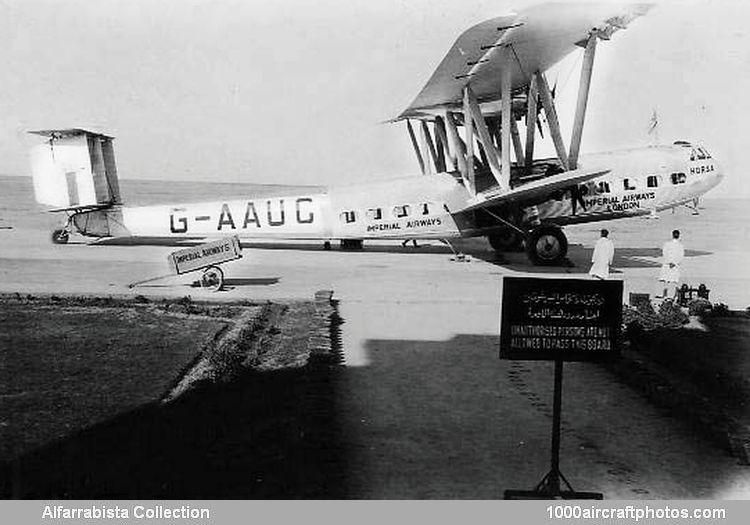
(549, 487)
(550, 484)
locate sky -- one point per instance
(298, 92)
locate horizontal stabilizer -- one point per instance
(533, 192)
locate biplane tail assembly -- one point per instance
(74, 171)
(74, 168)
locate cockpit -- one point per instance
(696, 152)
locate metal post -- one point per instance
(553, 481)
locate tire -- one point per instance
(60, 236)
(547, 246)
(212, 278)
(506, 240)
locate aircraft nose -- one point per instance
(718, 171)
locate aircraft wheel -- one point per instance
(212, 278)
(327, 245)
(60, 236)
(506, 240)
(547, 246)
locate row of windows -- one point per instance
(629, 184)
(398, 212)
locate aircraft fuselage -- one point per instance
(639, 182)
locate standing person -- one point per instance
(672, 253)
(604, 252)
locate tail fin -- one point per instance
(74, 168)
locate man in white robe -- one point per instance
(672, 253)
(604, 253)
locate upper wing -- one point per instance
(537, 38)
(533, 192)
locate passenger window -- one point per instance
(678, 178)
(348, 217)
(628, 184)
(401, 211)
(652, 181)
(375, 214)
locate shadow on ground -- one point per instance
(449, 419)
(579, 258)
(425, 420)
(315, 246)
(268, 435)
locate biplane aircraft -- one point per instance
(478, 177)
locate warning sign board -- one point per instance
(204, 255)
(566, 319)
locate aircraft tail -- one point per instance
(74, 168)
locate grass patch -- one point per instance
(252, 418)
(68, 363)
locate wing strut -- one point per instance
(531, 114)
(440, 133)
(457, 147)
(469, 136)
(583, 97)
(505, 118)
(554, 125)
(416, 146)
(473, 113)
(517, 146)
(426, 145)
(435, 153)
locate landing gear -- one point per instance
(212, 278)
(547, 246)
(506, 240)
(327, 246)
(60, 236)
(351, 244)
